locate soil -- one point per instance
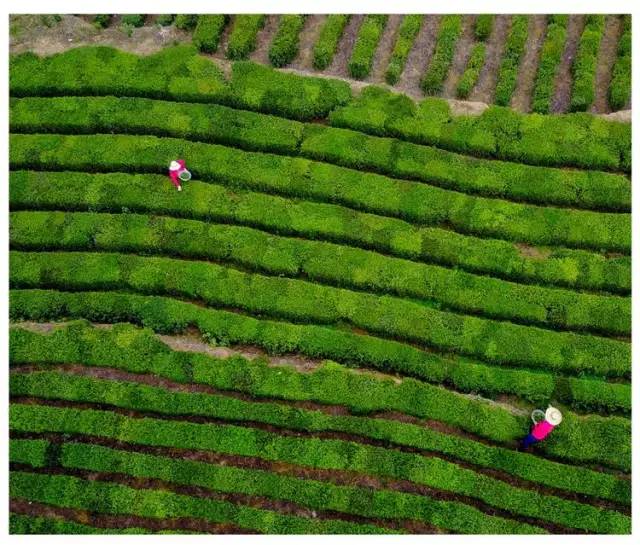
(339, 477)
(623, 116)
(533, 252)
(563, 84)
(30, 34)
(224, 42)
(338, 66)
(606, 60)
(193, 343)
(187, 525)
(263, 40)
(461, 56)
(384, 50)
(342, 436)
(308, 38)
(487, 80)
(419, 58)
(521, 99)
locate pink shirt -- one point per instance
(541, 430)
(174, 174)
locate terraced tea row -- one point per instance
(150, 194)
(587, 438)
(323, 263)
(219, 286)
(339, 146)
(72, 383)
(580, 140)
(316, 453)
(294, 176)
(111, 498)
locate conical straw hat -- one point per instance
(174, 165)
(553, 416)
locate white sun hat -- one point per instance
(553, 416)
(174, 165)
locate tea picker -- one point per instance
(543, 424)
(178, 173)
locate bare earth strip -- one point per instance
(339, 65)
(564, 79)
(73, 31)
(224, 41)
(521, 99)
(606, 60)
(461, 56)
(488, 79)
(385, 47)
(419, 57)
(263, 40)
(308, 38)
(81, 516)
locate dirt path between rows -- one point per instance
(485, 88)
(224, 41)
(563, 82)
(99, 520)
(521, 99)
(419, 58)
(338, 66)
(605, 62)
(385, 48)
(460, 57)
(263, 40)
(308, 38)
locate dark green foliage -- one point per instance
(329, 454)
(580, 140)
(206, 36)
(450, 28)
(133, 20)
(570, 140)
(484, 26)
(102, 20)
(321, 262)
(165, 19)
(584, 64)
(242, 40)
(620, 86)
(549, 62)
(321, 495)
(308, 179)
(284, 47)
(385, 504)
(210, 202)
(470, 76)
(543, 185)
(204, 122)
(277, 297)
(116, 499)
(510, 64)
(406, 36)
(325, 48)
(186, 22)
(252, 131)
(25, 524)
(366, 44)
(257, 87)
(176, 73)
(29, 451)
(131, 349)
